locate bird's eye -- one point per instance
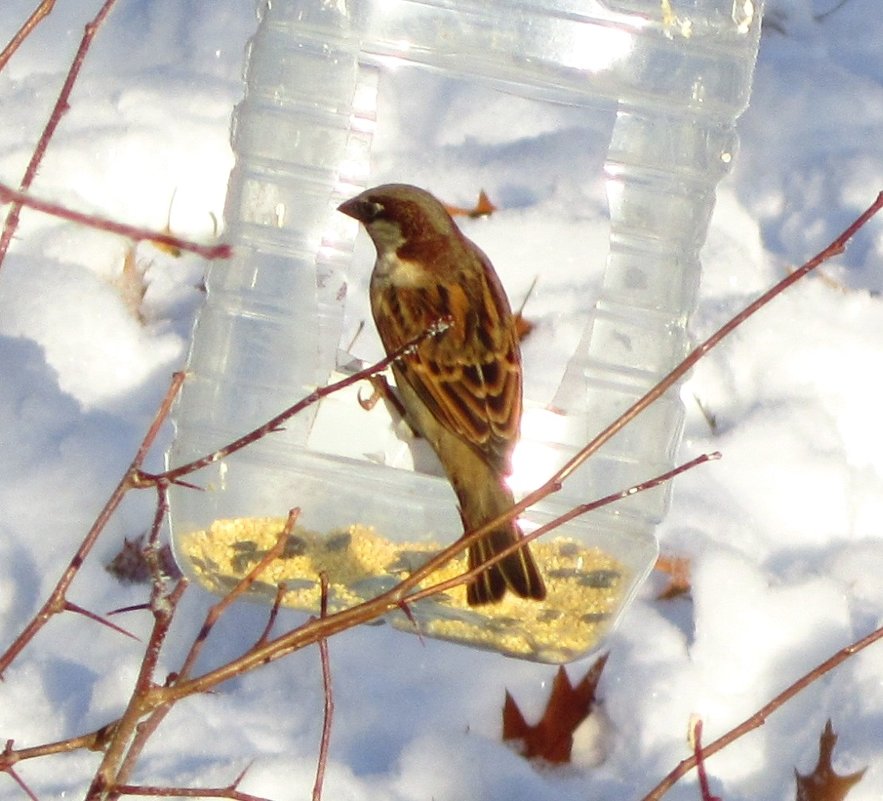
(373, 210)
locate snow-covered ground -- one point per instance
(784, 532)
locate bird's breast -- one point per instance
(394, 271)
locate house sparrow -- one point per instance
(461, 389)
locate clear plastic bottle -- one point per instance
(601, 130)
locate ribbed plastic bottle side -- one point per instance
(673, 140)
(268, 332)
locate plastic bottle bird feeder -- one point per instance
(601, 135)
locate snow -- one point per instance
(784, 532)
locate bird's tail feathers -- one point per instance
(518, 571)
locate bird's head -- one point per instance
(400, 214)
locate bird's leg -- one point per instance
(382, 390)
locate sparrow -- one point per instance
(461, 388)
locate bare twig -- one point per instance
(328, 709)
(188, 792)
(444, 556)
(217, 610)
(134, 232)
(274, 612)
(72, 607)
(57, 599)
(62, 104)
(21, 783)
(93, 741)
(43, 10)
(128, 736)
(312, 631)
(695, 736)
(276, 423)
(115, 766)
(759, 717)
(152, 551)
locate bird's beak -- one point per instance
(354, 207)
(362, 209)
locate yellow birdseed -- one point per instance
(584, 585)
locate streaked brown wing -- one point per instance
(470, 375)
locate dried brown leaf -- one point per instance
(677, 568)
(823, 784)
(131, 283)
(482, 208)
(568, 706)
(523, 327)
(130, 565)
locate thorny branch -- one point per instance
(128, 735)
(58, 598)
(43, 10)
(150, 701)
(276, 423)
(134, 232)
(123, 740)
(328, 695)
(760, 717)
(555, 483)
(143, 717)
(62, 104)
(189, 792)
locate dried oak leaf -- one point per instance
(483, 208)
(131, 284)
(823, 784)
(677, 568)
(523, 327)
(568, 706)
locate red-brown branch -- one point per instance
(58, 598)
(134, 232)
(328, 696)
(280, 419)
(311, 632)
(759, 717)
(43, 10)
(154, 791)
(62, 104)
